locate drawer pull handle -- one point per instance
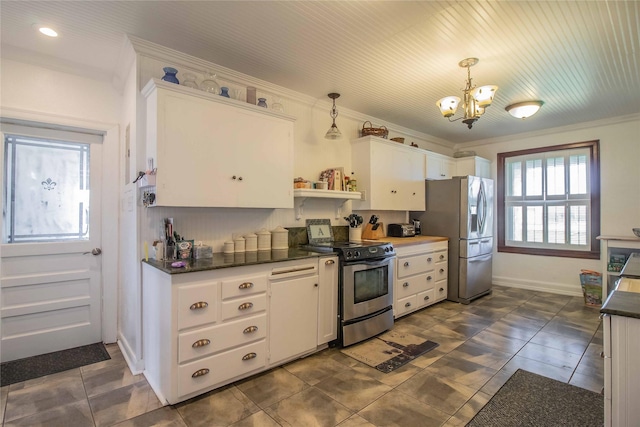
(429, 259)
(199, 305)
(426, 298)
(441, 289)
(408, 304)
(329, 262)
(245, 306)
(405, 285)
(201, 343)
(249, 356)
(429, 278)
(602, 354)
(441, 257)
(250, 329)
(245, 285)
(200, 372)
(406, 264)
(442, 270)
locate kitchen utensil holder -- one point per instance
(355, 234)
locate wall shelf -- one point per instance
(339, 197)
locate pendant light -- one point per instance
(333, 132)
(475, 99)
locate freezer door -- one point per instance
(476, 247)
(475, 277)
(476, 207)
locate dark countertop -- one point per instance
(632, 266)
(622, 303)
(221, 260)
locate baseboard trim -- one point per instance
(135, 366)
(533, 285)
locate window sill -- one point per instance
(550, 252)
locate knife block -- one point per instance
(368, 233)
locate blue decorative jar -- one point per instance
(224, 91)
(262, 102)
(170, 75)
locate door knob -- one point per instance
(94, 251)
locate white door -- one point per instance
(51, 263)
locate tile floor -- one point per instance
(481, 345)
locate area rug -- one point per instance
(528, 399)
(46, 364)
(389, 351)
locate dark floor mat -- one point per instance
(46, 364)
(528, 399)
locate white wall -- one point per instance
(620, 199)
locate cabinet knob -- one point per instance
(429, 259)
(329, 262)
(249, 356)
(239, 178)
(442, 270)
(441, 257)
(441, 289)
(406, 264)
(414, 194)
(199, 373)
(234, 177)
(245, 306)
(408, 304)
(426, 298)
(201, 343)
(429, 278)
(245, 285)
(393, 191)
(405, 285)
(199, 305)
(250, 329)
(315, 285)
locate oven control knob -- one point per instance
(356, 254)
(348, 254)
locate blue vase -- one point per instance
(224, 91)
(170, 75)
(262, 102)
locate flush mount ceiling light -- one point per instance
(43, 29)
(333, 132)
(475, 100)
(522, 110)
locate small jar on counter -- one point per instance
(239, 244)
(280, 238)
(251, 242)
(264, 240)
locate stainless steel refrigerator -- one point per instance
(461, 208)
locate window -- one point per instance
(46, 190)
(549, 201)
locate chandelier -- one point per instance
(333, 132)
(475, 100)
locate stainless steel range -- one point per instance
(366, 288)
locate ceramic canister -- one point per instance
(239, 244)
(279, 238)
(228, 247)
(264, 240)
(251, 242)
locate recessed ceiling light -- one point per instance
(48, 31)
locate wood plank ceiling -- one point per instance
(389, 59)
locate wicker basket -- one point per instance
(382, 131)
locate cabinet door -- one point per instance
(439, 167)
(384, 181)
(210, 152)
(328, 300)
(293, 317)
(476, 166)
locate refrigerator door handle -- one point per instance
(482, 213)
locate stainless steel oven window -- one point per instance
(371, 283)
(352, 310)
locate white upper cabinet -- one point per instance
(212, 151)
(476, 166)
(439, 166)
(390, 175)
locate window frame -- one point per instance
(594, 183)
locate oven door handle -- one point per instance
(376, 263)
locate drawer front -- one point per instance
(426, 298)
(441, 290)
(441, 271)
(415, 264)
(405, 305)
(414, 284)
(252, 304)
(212, 370)
(197, 305)
(243, 286)
(206, 341)
(441, 256)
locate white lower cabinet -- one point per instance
(206, 329)
(622, 370)
(421, 276)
